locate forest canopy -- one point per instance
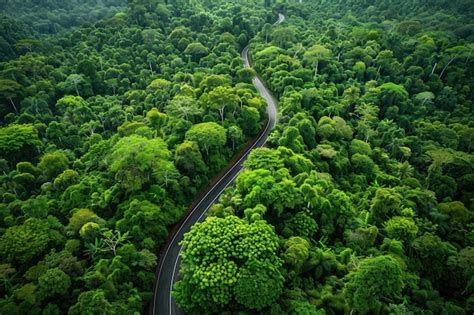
(109, 129)
(115, 115)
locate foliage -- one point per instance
(24, 242)
(135, 161)
(54, 281)
(115, 114)
(367, 174)
(209, 136)
(221, 259)
(18, 141)
(375, 281)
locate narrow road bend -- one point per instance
(168, 267)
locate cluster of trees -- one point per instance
(366, 188)
(24, 23)
(106, 137)
(14, 37)
(53, 16)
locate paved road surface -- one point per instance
(168, 268)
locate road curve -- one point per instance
(168, 267)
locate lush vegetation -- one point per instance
(113, 122)
(106, 137)
(52, 16)
(366, 189)
(22, 23)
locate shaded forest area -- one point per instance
(22, 23)
(114, 115)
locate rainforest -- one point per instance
(237, 157)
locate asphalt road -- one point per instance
(168, 268)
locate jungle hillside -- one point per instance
(117, 117)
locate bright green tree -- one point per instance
(209, 136)
(222, 98)
(259, 284)
(375, 282)
(19, 141)
(21, 243)
(136, 160)
(53, 164)
(222, 258)
(54, 281)
(401, 228)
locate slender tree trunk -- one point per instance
(221, 112)
(13, 104)
(296, 53)
(316, 68)
(378, 72)
(447, 65)
(434, 68)
(166, 179)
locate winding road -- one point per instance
(168, 267)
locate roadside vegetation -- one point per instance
(363, 201)
(114, 115)
(109, 131)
